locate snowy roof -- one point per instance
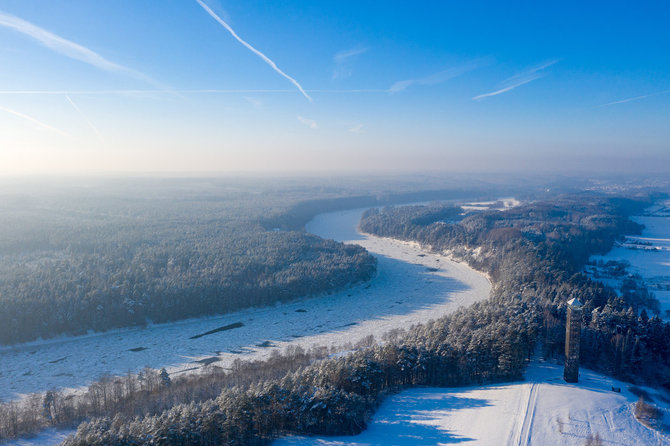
(574, 302)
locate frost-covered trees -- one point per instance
(105, 272)
(484, 343)
(535, 254)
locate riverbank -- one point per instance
(411, 286)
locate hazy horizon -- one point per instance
(217, 87)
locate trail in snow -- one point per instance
(411, 286)
(545, 410)
(524, 434)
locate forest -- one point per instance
(89, 257)
(93, 260)
(298, 392)
(534, 255)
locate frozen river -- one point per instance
(648, 253)
(411, 286)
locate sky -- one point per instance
(209, 86)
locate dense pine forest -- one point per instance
(82, 261)
(534, 255)
(80, 257)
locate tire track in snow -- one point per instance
(524, 433)
(515, 431)
(607, 416)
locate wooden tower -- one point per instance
(573, 328)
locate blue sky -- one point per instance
(140, 86)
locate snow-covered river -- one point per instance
(411, 286)
(647, 254)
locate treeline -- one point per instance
(296, 216)
(488, 342)
(537, 253)
(98, 265)
(139, 394)
(293, 392)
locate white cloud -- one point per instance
(308, 122)
(34, 121)
(401, 85)
(518, 80)
(252, 49)
(66, 47)
(357, 129)
(257, 103)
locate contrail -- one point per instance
(518, 80)
(343, 61)
(436, 78)
(192, 91)
(68, 48)
(636, 98)
(34, 121)
(506, 89)
(252, 49)
(346, 54)
(95, 129)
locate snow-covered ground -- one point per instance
(500, 204)
(411, 286)
(648, 254)
(49, 437)
(543, 410)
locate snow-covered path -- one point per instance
(544, 410)
(411, 286)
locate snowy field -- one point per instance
(50, 437)
(544, 410)
(648, 254)
(411, 286)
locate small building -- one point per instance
(573, 329)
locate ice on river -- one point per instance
(648, 254)
(411, 286)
